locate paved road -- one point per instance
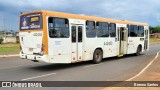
(111, 69)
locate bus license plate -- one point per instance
(30, 49)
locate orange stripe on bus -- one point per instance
(45, 33)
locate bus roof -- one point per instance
(84, 17)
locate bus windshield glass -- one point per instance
(31, 22)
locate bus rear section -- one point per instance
(31, 37)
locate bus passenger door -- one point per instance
(77, 40)
(122, 38)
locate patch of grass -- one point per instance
(154, 40)
(9, 49)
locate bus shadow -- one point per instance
(123, 57)
(56, 67)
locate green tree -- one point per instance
(151, 29)
(155, 29)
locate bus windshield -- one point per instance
(31, 22)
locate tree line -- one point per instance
(155, 29)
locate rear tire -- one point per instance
(97, 56)
(138, 52)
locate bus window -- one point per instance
(103, 30)
(140, 31)
(128, 26)
(133, 30)
(58, 28)
(90, 29)
(112, 30)
(31, 22)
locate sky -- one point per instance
(147, 11)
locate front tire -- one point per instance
(97, 56)
(138, 52)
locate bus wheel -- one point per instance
(97, 56)
(138, 52)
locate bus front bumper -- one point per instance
(43, 58)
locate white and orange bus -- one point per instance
(55, 37)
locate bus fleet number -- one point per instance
(108, 43)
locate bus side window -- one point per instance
(133, 30)
(58, 28)
(50, 26)
(90, 29)
(128, 26)
(112, 30)
(102, 29)
(140, 31)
